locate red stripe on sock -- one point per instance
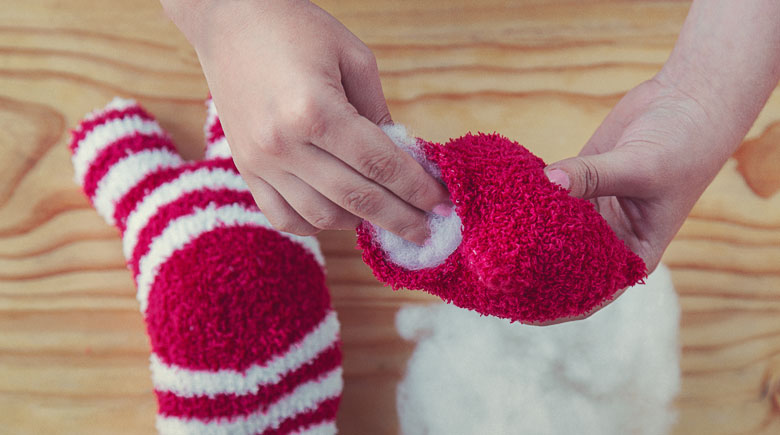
(215, 131)
(85, 127)
(234, 297)
(129, 202)
(184, 205)
(231, 405)
(118, 150)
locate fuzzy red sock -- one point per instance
(243, 336)
(525, 250)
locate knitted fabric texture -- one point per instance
(243, 336)
(528, 251)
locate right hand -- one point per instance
(301, 102)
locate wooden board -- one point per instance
(73, 353)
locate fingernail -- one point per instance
(559, 177)
(443, 209)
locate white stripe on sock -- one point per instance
(203, 178)
(104, 135)
(117, 103)
(211, 118)
(306, 397)
(219, 148)
(125, 174)
(186, 382)
(184, 229)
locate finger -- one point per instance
(606, 135)
(360, 79)
(311, 205)
(361, 196)
(610, 174)
(611, 128)
(363, 146)
(278, 211)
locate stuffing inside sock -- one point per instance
(445, 231)
(518, 246)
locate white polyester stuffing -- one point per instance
(616, 372)
(446, 232)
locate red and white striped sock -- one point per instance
(244, 339)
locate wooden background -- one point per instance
(73, 353)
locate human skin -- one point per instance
(664, 142)
(300, 100)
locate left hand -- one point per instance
(648, 163)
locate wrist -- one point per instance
(206, 23)
(727, 59)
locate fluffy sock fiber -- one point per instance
(517, 246)
(243, 336)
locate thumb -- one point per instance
(591, 176)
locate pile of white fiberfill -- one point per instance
(616, 372)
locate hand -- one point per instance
(664, 142)
(646, 165)
(300, 100)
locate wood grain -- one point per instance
(73, 353)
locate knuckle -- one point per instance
(283, 224)
(590, 178)
(409, 230)
(324, 221)
(381, 168)
(288, 224)
(306, 116)
(363, 202)
(316, 127)
(268, 141)
(419, 191)
(306, 231)
(300, 110)
(365, 59)
(300, 230)
(273, 148)
(385, 118)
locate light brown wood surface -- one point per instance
(73, 353)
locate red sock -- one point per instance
(523, 249)
(243, 336)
